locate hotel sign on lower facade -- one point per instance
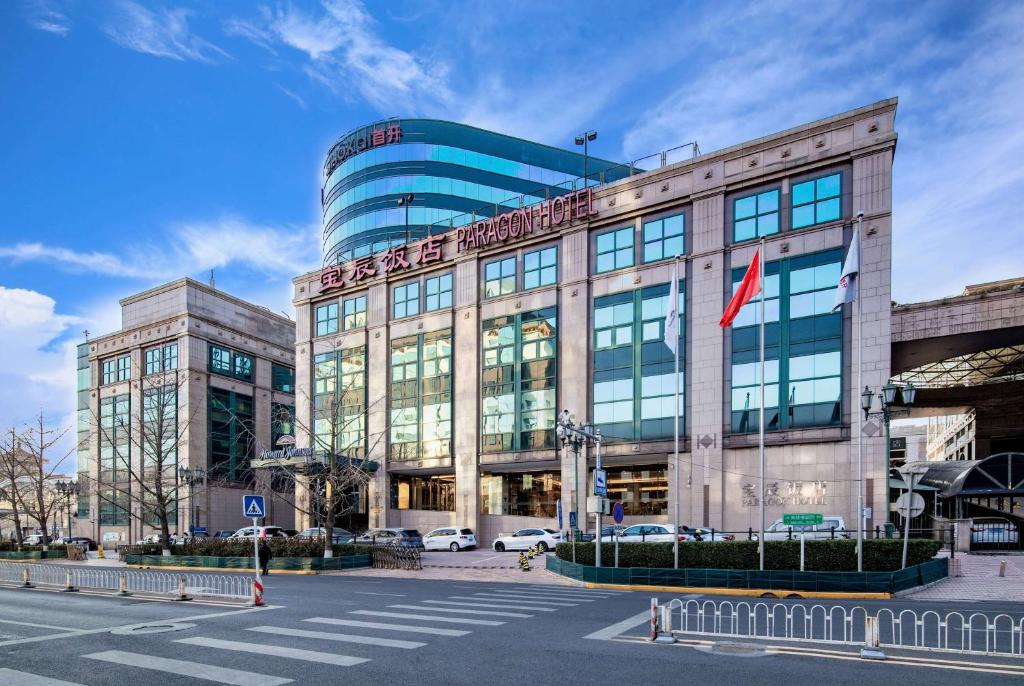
(507, 227)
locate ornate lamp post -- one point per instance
(192, 476)
(67, 489)
(575, 436)
(889, 409)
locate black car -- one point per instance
(409, 538)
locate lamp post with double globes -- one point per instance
(585, 140)
(192, 476)
(67, 489)
(889, 409)
(575, 436)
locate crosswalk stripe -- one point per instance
(389, 627)
(506, 599)
(431, 618)
(343, 638)
(276, 651)
(502, 606)
(539, 591)
(196, 670)
(489, 613)
(542, 596)
(10, 677)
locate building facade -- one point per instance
(397, 180)
(195, 379)
(447, 360)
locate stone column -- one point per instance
(574, 362)
(466, 394)
(377, 356)
(303, 508)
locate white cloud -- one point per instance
(162, 33)
(48, 16)
(189, 249)
(293, 95)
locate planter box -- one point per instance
(775, 580)
(60, 554)
(313, 564)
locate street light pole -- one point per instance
(405, 201)
(575, 436)
(584, 139)
(889, 409)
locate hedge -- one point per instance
(881, 555)
(11, 546)
(243, 547)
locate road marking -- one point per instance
(542, 596)
(488, 613)
(196, 670)
(276, 651)
(502, 606)
(389, 627)
(610, 632)
(62, 629)
(10, 677)
(559, 592)
(431, 618)
(514, 600)
(486, 559)
(396, 595)
(344, 638)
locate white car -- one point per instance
(523, 539)
(645, 533)
(271, 532)
(449, 538)
(780, 531)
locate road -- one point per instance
(342, 629)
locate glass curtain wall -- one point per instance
(433, 493)
(339, 401)
(421, 396)
(232, 437)
(533, 494)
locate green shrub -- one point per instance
(12, 546)
(823, 556)
(279, 547)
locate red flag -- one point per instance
(749, 287)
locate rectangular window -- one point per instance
(231, 363)
(282, 378)
(116, 369)
(162, 358)
(615, 249)
(326, 319)
(114, 507)
(421, 396)
(642, 489)
(355, 312)
(124, 368)
(160, 432)
(432, 493)
(232, 437)
(817, 201)
(220, 360)
(115, 438)
(803, 342)
(755, 215)
(519, 381)
(406, 300)
(282, 422)
(243, 367)
(438, 292)
(540, 268)
(663, 238)
(500, 277)
(339, 401)
(534, 494)
(109, 371)
(634, 397)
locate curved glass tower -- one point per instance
(398, 180)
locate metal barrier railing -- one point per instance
(232, 588)
(975, 633)
(390, 556)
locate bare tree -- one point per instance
(40, 500)
(154, 433)
(13, 477)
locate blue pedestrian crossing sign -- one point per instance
(252, 506)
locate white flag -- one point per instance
(672, 312)
(847, 289)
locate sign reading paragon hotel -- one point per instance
(506, 227)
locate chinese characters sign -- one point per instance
(359, 142)
(791, 493)
(395, 259)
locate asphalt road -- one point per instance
(411, 631)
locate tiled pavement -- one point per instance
(979, 580)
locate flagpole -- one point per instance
(760, 423)
(860, 438)
(675, 432)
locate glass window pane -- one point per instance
(745, 207)
(828, 210)
(828, 187)
(674, 225)
(745, 230)
(768, 224)
(803, 193)
(768, 202)
(803, 216)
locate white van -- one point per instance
(779, 531)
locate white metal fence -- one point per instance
(226, 587)
(975, 633)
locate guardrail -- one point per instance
(974, 633)
(229, 588)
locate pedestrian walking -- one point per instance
(265, 555)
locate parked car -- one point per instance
(338, 536)
(523, 539)
(697, 534)
(34, 539)
(609, 530)
(780, 531)
(409, 538)
(84, 541)
(270, 531)
(223, 533)
(645, 533)
(449, 538)
(993, 530)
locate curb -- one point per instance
(300, 572)
(750, 592)
(466, 567)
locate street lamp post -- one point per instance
(889, 409)
(67, 489)
(405, 201)
(192, 476)
(584, 140)
(575, 436)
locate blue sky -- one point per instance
(146, 141)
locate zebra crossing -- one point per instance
(374, 631)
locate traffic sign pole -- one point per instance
(598, 470)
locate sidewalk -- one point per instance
(979, 580)
(109, 560)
